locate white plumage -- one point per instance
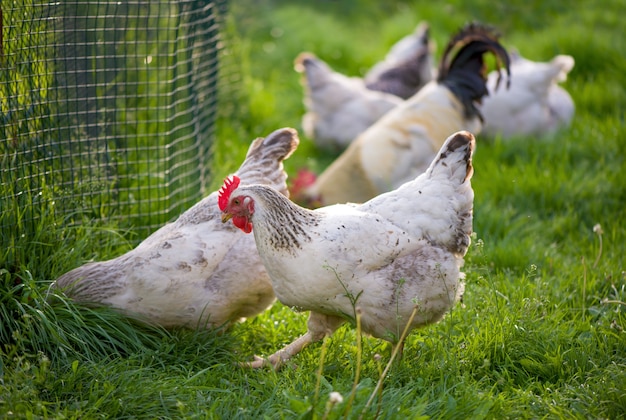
(402, 143)
(535, 104)
(399, 251)
(339, 108)
(196, 271)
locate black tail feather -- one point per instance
(462, 68)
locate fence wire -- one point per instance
(107, 109)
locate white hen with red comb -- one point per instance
(393, 257)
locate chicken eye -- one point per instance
(236, 201)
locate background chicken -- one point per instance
(535, 104)
(407, 67)
(196, 271)
(338, 107)
(401, 144)
(396, 258)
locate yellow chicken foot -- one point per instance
(277, 359)
(319, 326)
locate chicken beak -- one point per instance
(226, 217)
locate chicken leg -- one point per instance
(319, 326)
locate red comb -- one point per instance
(223, 194)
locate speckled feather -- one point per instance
(196, 271)
(398, 250)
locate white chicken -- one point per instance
(535, 104)
(395, 259)
(195, 272)
(338, 107)
(407, 67)
(400, 145)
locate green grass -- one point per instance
(540, 333)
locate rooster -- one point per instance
(338, 107)
(196, 271)
(407, 67)
(394, 259)
(535, 104)
(404, 141)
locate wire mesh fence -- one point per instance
(107, 109)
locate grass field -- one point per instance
(540, 333)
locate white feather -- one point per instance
(534, 104)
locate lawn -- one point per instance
(540, 333)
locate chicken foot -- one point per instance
(319, 326)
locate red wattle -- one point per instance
(242, 223)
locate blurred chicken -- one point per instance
(407, 67)
(195, 272)
(338, 107)
(400, 145)
(535, 104)
(395, 259)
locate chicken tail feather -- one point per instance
(563, 64)
(462, 68)
(264, 160)
(316, 72)
(454, 160)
